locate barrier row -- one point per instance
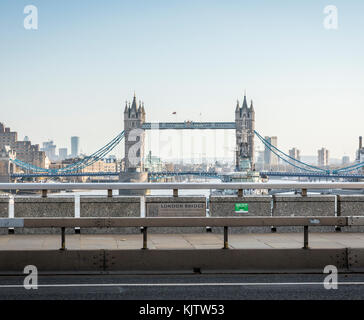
(146, 223)
(218, 206)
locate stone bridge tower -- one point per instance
(134, 117)
(245, 126)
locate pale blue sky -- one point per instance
(73, 74)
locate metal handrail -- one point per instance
(176, 186)
(89, 222)
(145, 223)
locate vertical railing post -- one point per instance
(226, 239)
(305, 237)
(63, 238)
(44, 193)
(240, 193)
(304, 193)
(145, 238)
(175, 192)
(109, 193)
(272, 211)
(337, 210)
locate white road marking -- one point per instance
(226, 284)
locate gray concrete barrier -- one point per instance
(225, 206)
(297, 205)
(156, 206)
(182, 260)
(4, 207)
(119, 206)
(4, 211)
(351, 205)
(43, 207)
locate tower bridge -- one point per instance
(135, 127)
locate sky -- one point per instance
(73, 74)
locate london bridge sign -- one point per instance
(183, 207)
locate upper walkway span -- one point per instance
(188, 125)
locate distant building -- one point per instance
(24, 150)
(26, 138)
(63, 153)
(153, 163)
(345, 160)
(50, 150)
(323, 157)
(270, 159)
(295, 153)
(360, 151)
(6, 166)
(75, 146)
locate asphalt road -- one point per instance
(184, 287)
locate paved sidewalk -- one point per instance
(182, 241)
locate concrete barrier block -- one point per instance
(351, 205)
(119, 206)
(224, 206)
(157, 206)
(4, 211)
(38, 207)
(4, 207)
(297, 205)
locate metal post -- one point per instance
(44, 193)
(226, 240)
(305, 237)
(63, 238)
(145, 239)
(240, 193)
(304, 193)
(338, 210)
(109, 193)
(175, 192)
(272, 210)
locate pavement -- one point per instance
(184, 287)
(181, 241)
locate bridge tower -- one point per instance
(134, 117)
(245, 126)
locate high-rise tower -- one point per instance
(245, 125)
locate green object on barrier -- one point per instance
(241, 207)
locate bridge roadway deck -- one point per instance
(323, 240)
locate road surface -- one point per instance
(185, 287)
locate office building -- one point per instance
(75, 146)
(63, 153)
(270, 159)
(50, 150)
(345, 160)
(323, 157)
(295, 154)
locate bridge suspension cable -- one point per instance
(293, 162)
(79, 165)
(275, 150)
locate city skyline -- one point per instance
(61, 153)
(194, 59)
